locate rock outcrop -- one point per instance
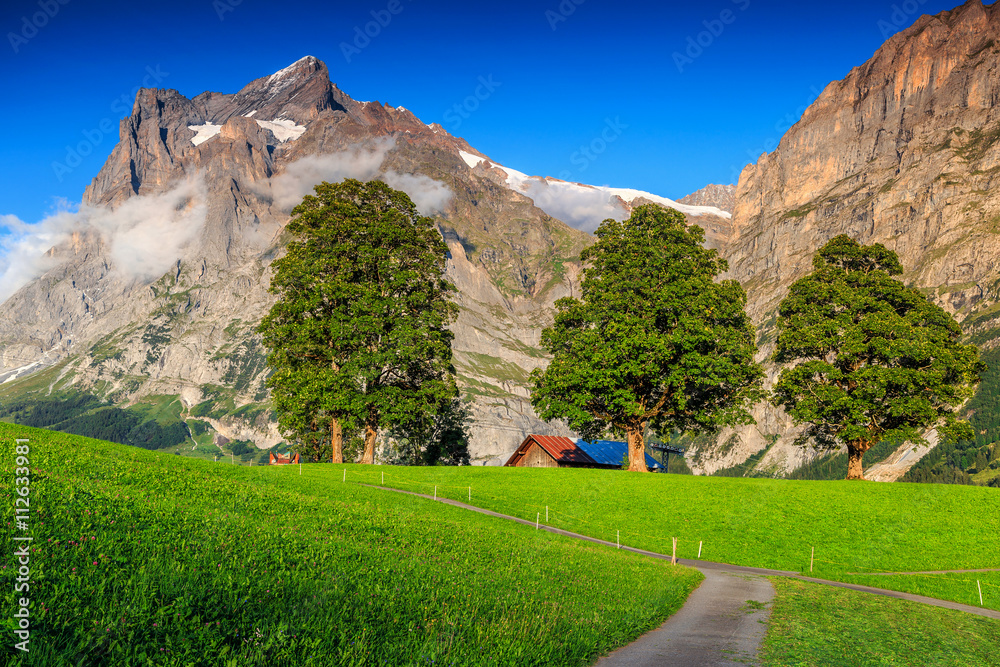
(719, 196)
(904, 151)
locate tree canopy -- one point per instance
(655, 339)
(870, 359)
(358, 336)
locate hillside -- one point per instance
(856, 528)
(141, 558)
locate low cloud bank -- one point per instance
(579, 207)
(362, 162)
(144, 236)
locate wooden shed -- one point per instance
(277, 459)
(548, 451)
(553, 451)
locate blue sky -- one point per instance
(663, 97)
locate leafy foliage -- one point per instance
(241, 447)
(359, 336)
(654, 340)
(441, 439)
(970, 461)
(871, 359)
(87, 415)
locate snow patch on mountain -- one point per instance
(204, 132)
(282, 128)
(579, 205)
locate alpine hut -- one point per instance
(553, 451)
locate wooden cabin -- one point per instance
(277, 459)
(553, 451)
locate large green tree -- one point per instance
(655, 339)
(441, 439)
(358, 336)
(871, 359)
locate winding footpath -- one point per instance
(723, 621)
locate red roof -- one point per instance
(560, 448)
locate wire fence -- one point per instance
(686, 545)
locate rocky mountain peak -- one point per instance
(299, 92)
(720, 196)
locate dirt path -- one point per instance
(722, 623)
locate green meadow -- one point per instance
(144, 558)
(813, 625)
(853, 528)
(141, 558)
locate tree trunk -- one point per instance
(636, 450)
(856, 450)
(337, 441)
(370, 435)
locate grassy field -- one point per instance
(855, 527)
(817, 625)
(141, 558)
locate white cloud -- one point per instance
(24, 246)
(428, 195)
(144, 236)
(580, 207)
(300, 177)
(362, 162)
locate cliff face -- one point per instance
(903, 151)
